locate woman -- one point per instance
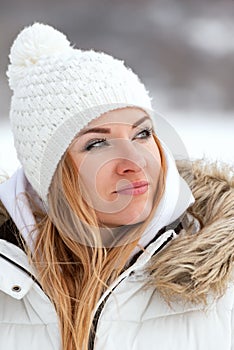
(102, 243)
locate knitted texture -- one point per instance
(57, 90)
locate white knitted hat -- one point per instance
(57, 90)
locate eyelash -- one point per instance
(91, 144)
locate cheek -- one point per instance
(94, 169)
(85, 171)
(153, 157)
(95, 176)
(95, 179)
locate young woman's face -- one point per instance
(118, 163)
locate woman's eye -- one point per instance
(144, 134)
(96, 143)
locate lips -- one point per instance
(135, 188)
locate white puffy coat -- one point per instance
(133, 317)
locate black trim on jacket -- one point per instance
(177, 227)
(10, 233)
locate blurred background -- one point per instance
(182, 50)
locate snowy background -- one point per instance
(182, 50)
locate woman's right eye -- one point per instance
(95, 143)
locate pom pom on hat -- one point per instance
(35, 42)
(32, 44)
(58, 90)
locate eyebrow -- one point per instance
(108, 130)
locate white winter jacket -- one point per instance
(133, 317)
(133, 313)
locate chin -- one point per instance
(128, 216)
(140, 217)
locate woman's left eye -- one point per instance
(95, 143)
(144, 134)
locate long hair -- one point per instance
(75, 270)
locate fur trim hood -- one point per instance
(197, 265)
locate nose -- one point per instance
(131, 160)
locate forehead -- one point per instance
(128, 115)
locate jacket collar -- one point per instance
(12, 195)
(140, 263)
(15, 273)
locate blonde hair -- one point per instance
(72, 272)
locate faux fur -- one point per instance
(194, 266)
